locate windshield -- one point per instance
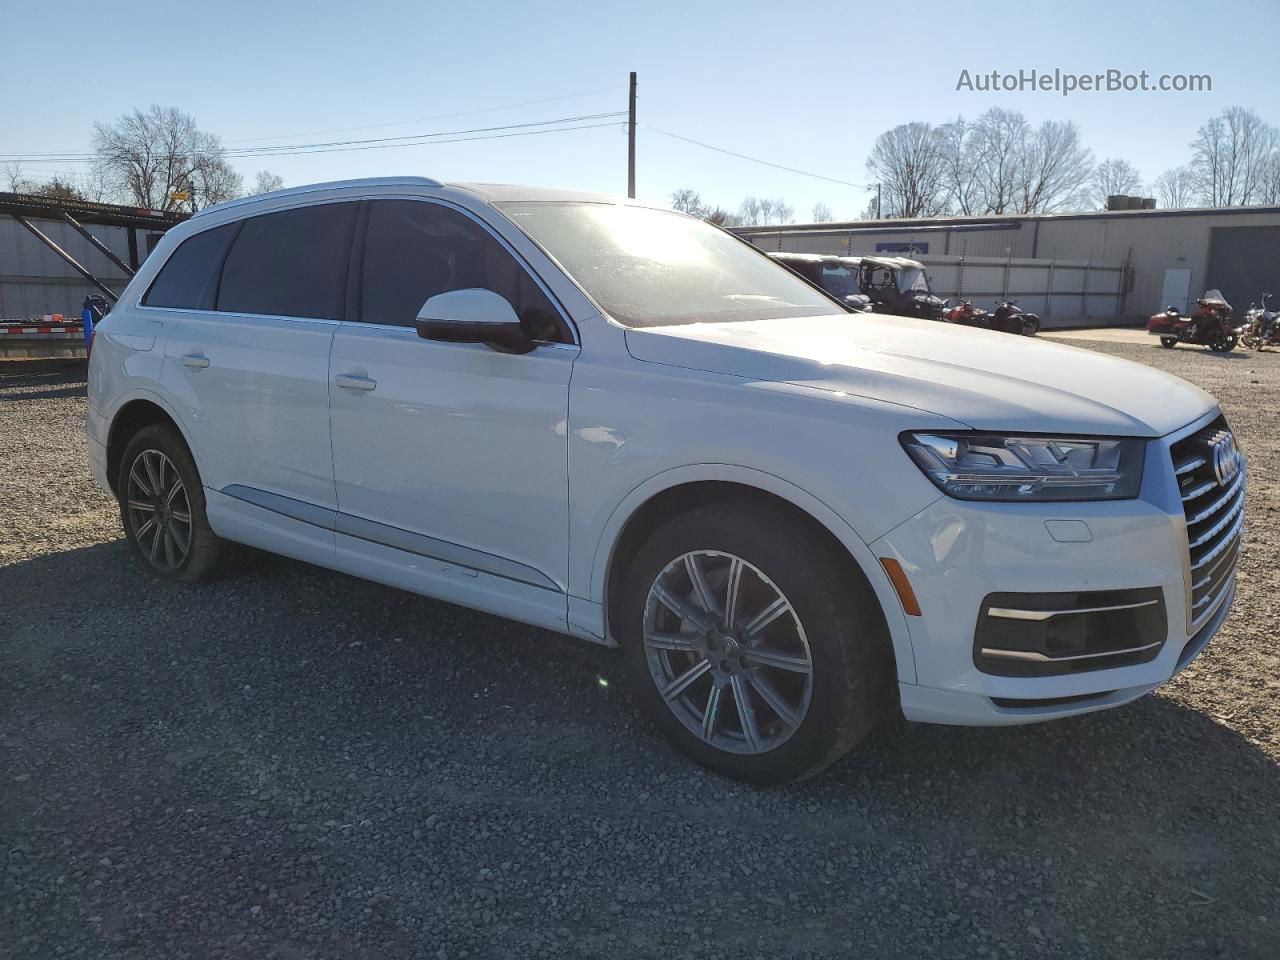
(839, 280)
(648, 268)
(913, 280)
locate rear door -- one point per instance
(450, 458)
(250, 369)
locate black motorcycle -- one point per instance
(1011, 318)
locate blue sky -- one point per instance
(806, 86)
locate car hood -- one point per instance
(987, 380)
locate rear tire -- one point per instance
(787, 696)
(1168, 342)
(162, 507)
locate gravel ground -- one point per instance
(296, 764)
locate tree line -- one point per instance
(752, 211)
(157, 158)
(997, 163)
(1000, 163)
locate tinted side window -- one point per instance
(189, 278)
(292, 263)
(414, 250)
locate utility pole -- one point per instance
(631, 139)
(878, 200)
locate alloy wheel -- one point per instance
(727, 652)
(159, 511)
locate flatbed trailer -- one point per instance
(62, 335)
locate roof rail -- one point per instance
(329, 185)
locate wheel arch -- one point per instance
(133, 415)
(677, 490)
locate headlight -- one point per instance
(972, 466)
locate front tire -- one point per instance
(1168, 342)
(753, 643)
(162, 507)
(1223, 345)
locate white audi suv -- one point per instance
(624, 424)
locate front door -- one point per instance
(450, 458)
(251, 369)
(1176, 289)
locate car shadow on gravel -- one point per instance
(292, 710)
(1152, 752)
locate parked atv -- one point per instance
(1011, 318)
(966, 314)
(898, 286)
(1210, 325)
(837, 276)
(1261, 326)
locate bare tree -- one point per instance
(1230, 155)
(15, 180)
(763, 210)
(687, 200)
(718, 216)
(266, 181)
(1053, 168)
(907, 161)
(1176, 188)
(1270, 187)
(160, 159)
(999, 163)
(961, 190)
(59, 188)
(822, 213)
(1114, 177)
(998, 143)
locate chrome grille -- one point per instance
(1211, 481)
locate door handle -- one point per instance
(195, 360)
(349, 381)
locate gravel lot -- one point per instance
(295, 764)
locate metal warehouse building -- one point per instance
(1117, 266)
(35, 281)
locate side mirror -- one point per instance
(473, 316)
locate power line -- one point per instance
(282, 149)
(437, 116)
(766, 163)
(430, 143)
(338, 145)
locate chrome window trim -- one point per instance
(413, 334)
(520, 259)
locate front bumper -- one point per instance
(956, 553)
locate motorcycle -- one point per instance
(1011, 318)
(1261, 326)
(1210, 325)
(965, 314)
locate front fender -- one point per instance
(895, 617)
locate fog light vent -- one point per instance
(1047, 634)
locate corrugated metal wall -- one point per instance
(34, 281)
(1147, 244)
